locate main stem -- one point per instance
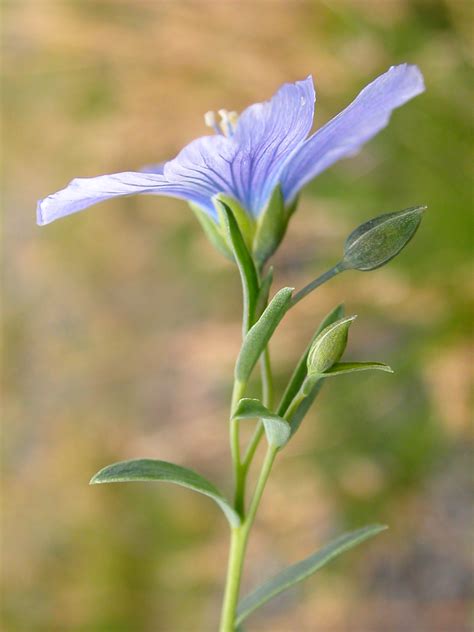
(240, 535)
(238, 546)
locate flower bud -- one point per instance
(328, 347)
(379, 240)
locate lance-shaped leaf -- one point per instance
(162, 471)
(328, 346)
(271, 227)
(277, 429)
(259, 334)
(300, 371)
(352, 367)
(300, 571)
(379, 240)
(245, 263)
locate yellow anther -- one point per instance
(228, 122)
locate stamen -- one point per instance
(210, 121)
(229, 121)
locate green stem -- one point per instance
(294, 405)
(262, 481)
(239, 472)
(267, 400)
(238, 546)
(329, 274)
(234, 575)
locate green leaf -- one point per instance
(379, 240)
(351, 367)
(258, 336)
(162, 471)
(245, 221)
(213, 231)
(299, 373)
(328, 347)
(277, 429)
(300, 571)
(271, 227)
(248, 272)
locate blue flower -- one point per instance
(250, 154)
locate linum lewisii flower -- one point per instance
(257, 160)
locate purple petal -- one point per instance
(84, 192)
(266, 135)
(349, 130)
(247, 164)
(156, 167)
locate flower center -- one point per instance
(226, 126)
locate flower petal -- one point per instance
(349, 130)
(266, 135)
(156, 167)
(246, 165)
(84, 192)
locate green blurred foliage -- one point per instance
(121, 324)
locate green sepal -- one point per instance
(328, 347)
(352, 367)
(277, 429)
(300, 371)
(271, 227)
(243, 258)
(162, 471)
(302, 570)
(245, 221)
(260, 333)
(376, 242)
(213, 231)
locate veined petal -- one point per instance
(349, 130)
(266, 135)
(247, 164)
(84, 192)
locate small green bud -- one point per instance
(379, 240)
(328, 347)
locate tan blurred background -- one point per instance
(122, 324)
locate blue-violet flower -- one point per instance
(250, 154)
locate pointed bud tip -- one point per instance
(375, 242)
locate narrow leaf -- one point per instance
(277, 429)
(300, 571)
(299, 373)
(258, 336)
(351, 367)
(245, 263)
(162, 471)
(379, 240)
(245, 221)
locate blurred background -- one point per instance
(122, 324)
